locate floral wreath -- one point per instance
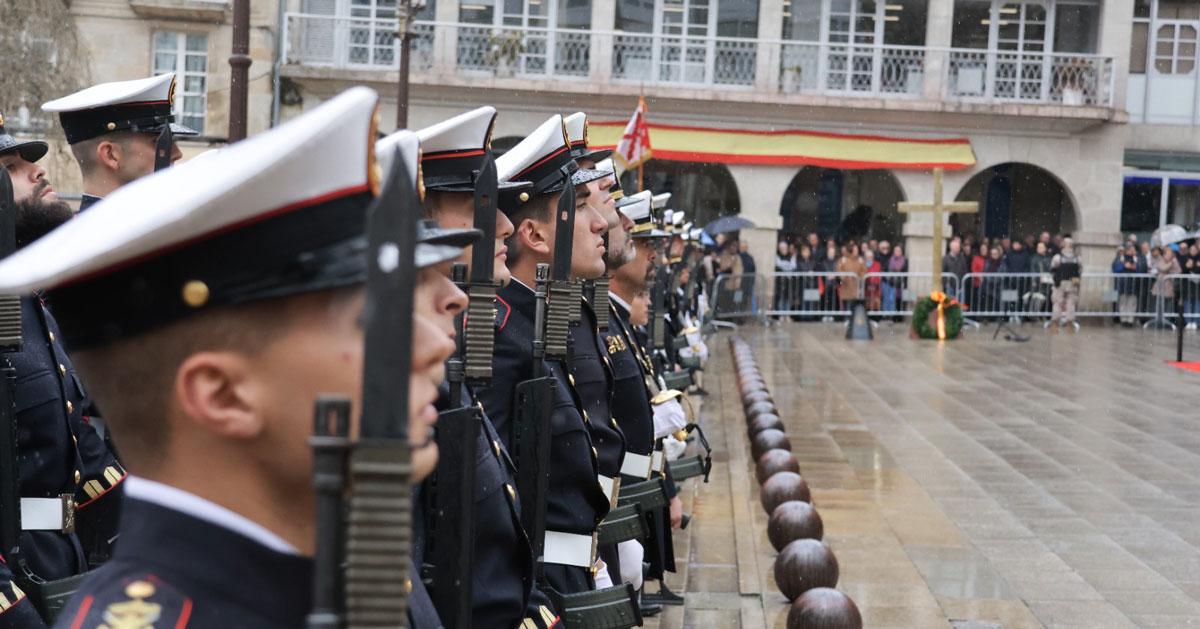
(949, 317)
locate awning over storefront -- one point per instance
(786, 148)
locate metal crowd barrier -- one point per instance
(811, 294)
(1128, 298)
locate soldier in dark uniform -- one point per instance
(575, 503)
(112, 129)
(631, 365)
(503, 590)
(65, 469)
(233, 293)
(589, 372)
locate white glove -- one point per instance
(631, 554)
(673, 448)
(603, 579)
(668, 417)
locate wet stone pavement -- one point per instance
(973, 484)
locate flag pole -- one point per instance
(642, 106)
(639, 178)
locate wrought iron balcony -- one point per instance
(779, 67)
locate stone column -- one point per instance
(760, 191)
(767, 57)
(938, 25)
(604, 22)
(445, 38)
(1116, 34)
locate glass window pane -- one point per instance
(193, 105)
(905, 22)
(1141, 8)
(195, 63)
(197, 43)
(1139, 207)
(164, 62)
(164, 40)
(1076, 28)
(635, 16)
(971, 20)
(1137, 48)
(574, 14)
(193, 84)
(477, 11)
(803, 21)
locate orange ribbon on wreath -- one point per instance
(944, 301)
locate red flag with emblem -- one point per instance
(634, 147)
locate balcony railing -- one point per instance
(726, 63)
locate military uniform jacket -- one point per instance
(631, 400)
(591, 382)
(59, 452)
(575, 502)
(503, 592)
(174, 569)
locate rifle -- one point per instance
(10, 342)
(459, 427)
(376, 555)
(657, 323)
(162, 148)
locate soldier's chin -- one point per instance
(424, 460)
(500, 273)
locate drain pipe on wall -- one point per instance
(275, 68)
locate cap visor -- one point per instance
(466, 187)
(178, 129)
(584, 175)
(427, 255)
(32, 151)
(453, 237)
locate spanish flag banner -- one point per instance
(787, 148)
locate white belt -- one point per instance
(610, 486)
(569, 549)
(637, 465)
(48, 514)
(658, 459)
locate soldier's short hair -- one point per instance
(85, 151)
(133, 379)
(540, 209)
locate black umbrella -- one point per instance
(727, 224)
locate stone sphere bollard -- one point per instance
(766, 421)
(794, 520)
(770, 439)
(783, 487)
(824, 608)
(774, 461)
(803, 565)
(760, 408)
(755, 397)
(751, 387)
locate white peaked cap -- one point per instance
(410, 151)
(677, 217)
(470, 130)
(548, 139)
(152, 89)
(250, 180)
(637, 206)
(576, 125)
(607, 166)
(660, 201)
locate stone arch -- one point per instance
(843, 204)
(1016, 199)
(703, 190)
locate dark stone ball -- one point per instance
(803, 565)
(793, 520)
(754, 397)
(824, 608)
(783, 487)
(766, 421)
(769, 439)
(746, 381)
(751, 387)
(760, 408)
(774, 461)
(748, 372)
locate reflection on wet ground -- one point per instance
(972, 484)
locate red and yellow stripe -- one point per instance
(788, 148)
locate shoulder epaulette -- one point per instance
(144, 602)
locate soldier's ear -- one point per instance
(535, 236)
(110, 154)
(215, 391)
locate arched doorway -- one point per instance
(703, 190)
(1015, 200)
(843, 204)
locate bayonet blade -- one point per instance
(483, 254)
(162, 148)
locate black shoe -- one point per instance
(648, 610)
(700, 392)
(664, 596)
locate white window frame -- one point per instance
(1154, 24)
(182, 73)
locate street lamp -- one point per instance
(406, 11)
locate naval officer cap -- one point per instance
(452, 151)
(637, 209)
(29, 150)
(543, 159)
(577, 136)
(434, 244)
(142, 105)
(256, 220)
(610, 169)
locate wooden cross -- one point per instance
(937, 207)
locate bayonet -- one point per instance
(162, 148)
